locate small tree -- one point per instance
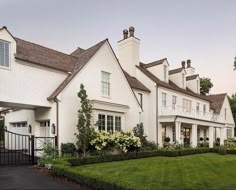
(235, 63)
(84, 121)
(205, 85)
(139, 132)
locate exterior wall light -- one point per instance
(30, 129)
(53, 129)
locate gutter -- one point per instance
(57, 120)
(157, 112)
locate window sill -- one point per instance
(6, 68)
(108, 97)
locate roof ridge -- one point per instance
(154, 63)
(218, 94)
(16, 38)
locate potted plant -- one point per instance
(207, 139)
(167, 139)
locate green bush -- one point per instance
(136, 155)
(222, 151)
(68, 149)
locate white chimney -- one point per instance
(128, 53)
(190, 70)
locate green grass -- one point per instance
(202, 171)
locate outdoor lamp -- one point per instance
(53, 129)
(30, 129)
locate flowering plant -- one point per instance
(123, 141)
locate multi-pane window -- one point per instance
(118, 123)
(187, 105)
(198, 107)
(165, 73)
(183, 80)
(174, 101)
(101, 122)
(229, 133)
(105, 84)
(110, 123)
(204, 109)
(225, 113)
(163, 99)
(19, 124)
(140, 99)
(45, 123)
(4, 54)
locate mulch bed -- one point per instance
(49, 173)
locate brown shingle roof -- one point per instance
(135, 83)
(192, 77)
(43, 56)
(77, 52)
(174, 71)
(82, 59)
(154, 63)
(171, 85)
(217, 101)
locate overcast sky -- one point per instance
(202, 30)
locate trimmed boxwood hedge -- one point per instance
(136, 155)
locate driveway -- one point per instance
(24, 177)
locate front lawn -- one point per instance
(202, 171)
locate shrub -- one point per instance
(201, 139)
(139, 132)
(229, 142)
(68, 149)
(222, 151)
(149, 146)
(50, 152)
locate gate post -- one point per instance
(32, 149)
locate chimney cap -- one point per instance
(183, 64)
(125, 33)
(131, 31)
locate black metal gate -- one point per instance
(18, 149)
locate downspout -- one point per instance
(57, 121)
(157, 113)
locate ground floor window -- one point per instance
(229, 133)
(109, 122)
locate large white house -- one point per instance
(39, 86)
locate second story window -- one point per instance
(174, 101)
(204, 109)
(163, 99)
(141, 99)
(198, 107)
(187, 105)
(225, 113)
(183, 80)
(4, 54)
(105, 84)
(165, 73)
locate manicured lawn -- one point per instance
(202, 171)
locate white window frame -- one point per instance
(9, 56)
(187, 105)
(107, 82)
(164, 97)
(204, 109)
(197, 107)
(229, 132)
(174, 102)
(114, 121)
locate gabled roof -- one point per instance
(192, 77)
(135, 83)
(43, 56)
(154, 63)
(171, 85)
(217, 101)
(82, 59)
(174, 71)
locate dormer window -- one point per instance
(4, 54)
(105, 84)
(183, 79)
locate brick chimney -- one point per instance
(128, 51)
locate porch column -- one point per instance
(177, 132)
(194, 135)
(222, 136)
(211, 137)
(159, 134)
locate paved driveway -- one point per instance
(24, 177)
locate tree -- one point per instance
(205, 85)
(84, 121)
(235, 63)
(232, 102)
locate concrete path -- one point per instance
(24, 177)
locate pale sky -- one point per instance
(202, 30)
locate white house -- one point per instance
(39, 86)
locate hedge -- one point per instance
(98, 182)
(137, 155)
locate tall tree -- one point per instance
(84, 121)
(205, 85)
(232, 102)
(235, 63)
